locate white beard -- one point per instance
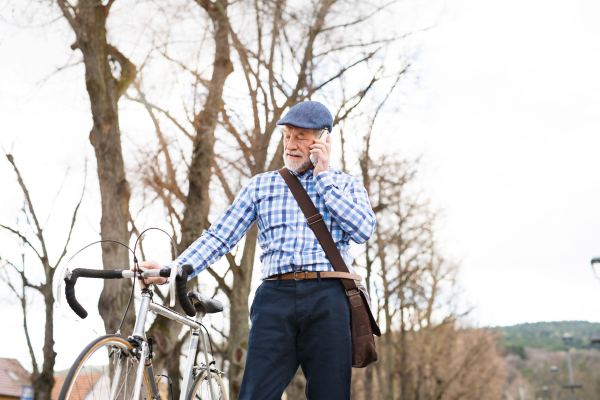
(296, 165)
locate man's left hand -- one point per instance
(323, 150)
(151, 265)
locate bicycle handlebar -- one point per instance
(86, 273)
(181, 281)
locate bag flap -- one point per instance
(367, 300)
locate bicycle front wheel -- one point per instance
(104, 370)
(201, 388)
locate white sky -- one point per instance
(506, 115)
(510, 133)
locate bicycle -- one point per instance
(109, 368)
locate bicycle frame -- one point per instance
(139, 333)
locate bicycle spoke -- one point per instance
(79, 393)
(203, 391)
(102, 373)
(125, 380)
(105, 380)
(116, 377)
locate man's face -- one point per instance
(296, 147)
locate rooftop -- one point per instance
(12, 377)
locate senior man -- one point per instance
(303, 321)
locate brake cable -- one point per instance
(65, 272)
(212, 353)
(137, 270)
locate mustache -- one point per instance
(294, 153)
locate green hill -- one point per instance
(548, 335)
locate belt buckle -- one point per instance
(299, 279)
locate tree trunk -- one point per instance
(388, 364)
(239, 314)
(104, 90)
(43, 381)
(369, 383)
(403, 367)
(197, 205)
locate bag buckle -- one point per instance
(320, 218)
(352, 294)
(300, 279)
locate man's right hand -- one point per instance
(152, 265)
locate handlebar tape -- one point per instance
(165, 272)
(180, 284)
(86, 273)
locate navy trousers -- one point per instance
(304, 323)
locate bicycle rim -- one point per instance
(201, 389)
(105, 366)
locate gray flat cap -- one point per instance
(308, 115)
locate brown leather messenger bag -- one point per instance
(363, 325)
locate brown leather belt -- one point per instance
(302, 275)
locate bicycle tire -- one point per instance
(200, 388)
(89, 375)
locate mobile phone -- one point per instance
(315, 157)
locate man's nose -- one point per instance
(292, 144)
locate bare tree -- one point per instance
(194, 217)
(23, 281)
(108, 74)
(381, 196)
(424, 353)
(283, 55)
(404, 250)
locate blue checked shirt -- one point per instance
(287, 242)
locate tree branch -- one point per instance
(107, 7)
(230, 195)
(23, 238)
(246, 150)
(363, 19)
(64, 7)
(247, 68)
(277, 160)
(64, 252)
(39, 234)
(220, 281)
(343, 70)
(23, 300)
(128, 69)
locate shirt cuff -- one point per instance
(323, 180)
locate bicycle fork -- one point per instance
(148, 384)
(116, 376)
(144, 356)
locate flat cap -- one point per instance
(308, 115)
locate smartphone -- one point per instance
(315, 157)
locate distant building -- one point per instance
(12, 378)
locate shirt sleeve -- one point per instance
(225, 232)
(350, 206)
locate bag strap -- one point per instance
(318, 226)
